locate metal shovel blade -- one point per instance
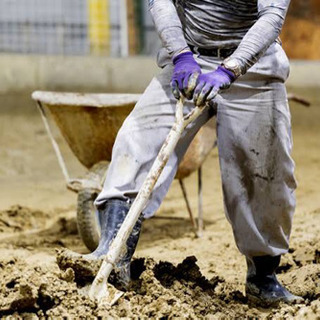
(106, 294)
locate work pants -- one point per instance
(254, 142)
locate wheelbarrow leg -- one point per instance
(54, 142)
(200, 203)
(185, 196)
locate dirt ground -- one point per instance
(175, 274)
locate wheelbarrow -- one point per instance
(89, 123)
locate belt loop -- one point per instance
(196, 50)
(218, 53)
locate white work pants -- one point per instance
(254, 141)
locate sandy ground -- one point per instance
(37, 216)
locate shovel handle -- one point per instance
(118, 245)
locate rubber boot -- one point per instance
(262, 286)
(111, 217)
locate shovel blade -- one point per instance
(105, 294)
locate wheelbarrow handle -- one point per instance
(118, 245)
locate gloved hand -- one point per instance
(185, 74)
(209, 84)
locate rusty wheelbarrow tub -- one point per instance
(89, 123)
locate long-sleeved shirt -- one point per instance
(250, 25)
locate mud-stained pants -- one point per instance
(254, 141)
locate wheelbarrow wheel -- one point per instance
(87, 215)
(87, 218)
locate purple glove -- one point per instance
(209, 84)
(185, 74)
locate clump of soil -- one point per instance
(85, 269)
(309, 276)
(39, 290)
(18, 218)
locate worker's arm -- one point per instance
(186, 69)
(168, 26)
(262, 34)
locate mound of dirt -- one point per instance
(157, 290)
(18, 218)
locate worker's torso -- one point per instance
(212, 23)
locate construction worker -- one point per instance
(225, 54)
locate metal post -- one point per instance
(99, 26)
(200, 203)
(124, 41)
(185, 196)
(139, 8)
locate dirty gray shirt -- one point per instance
(249, 25)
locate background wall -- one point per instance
(120, 28)
(77, 27)
(102, 45)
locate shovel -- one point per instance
(101, 290)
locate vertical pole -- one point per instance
(139, 9)
(99, 26)
(185, 196)
(124, 43)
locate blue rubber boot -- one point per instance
(111, 217)
(263, 287)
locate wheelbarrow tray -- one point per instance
(90, 122)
